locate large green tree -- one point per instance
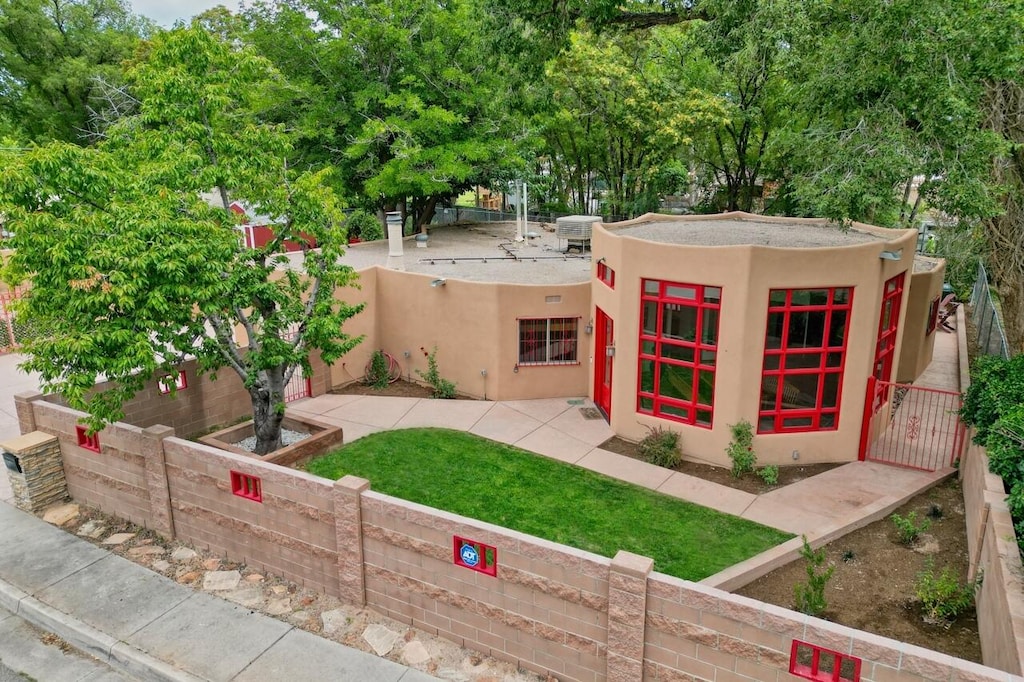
(397, 95)
(61, 62)
(132, 270)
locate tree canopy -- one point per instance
(132, 270)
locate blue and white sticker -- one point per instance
(469, 555)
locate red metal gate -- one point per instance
(299, 387)
(912, 426)
(10, 336)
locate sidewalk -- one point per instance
(153, 628)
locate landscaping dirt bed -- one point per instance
(750, 483)
(873, 586)
(398, 389)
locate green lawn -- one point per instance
(475, 477)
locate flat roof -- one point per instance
(484, 252)
(736, 232)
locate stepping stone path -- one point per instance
(148, 550)
(92, 529)
(161, 565)
(61, 514)
(246, 596)
(279, 607)
(183, 554)
(333, 621)
(381, 639)
(414, 653)
(118, 538)
(221, 580)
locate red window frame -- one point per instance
(786, 361)
(664, 356)
(247, 486)
(888, 326)
(605, 274)
(539, 339)
(86, 440)
(179, 380)
(933, 315)
(825, 665)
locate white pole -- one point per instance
(520, 228)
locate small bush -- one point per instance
(997, 387)
(741, 448)
(442, 387)
(377, 376)
(908, 528)
(810, 596)
(769, 474)
(943, 597)
(661, 447)
(363, 224)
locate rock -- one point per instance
(118, 538)
(254, 578)
(160, 565)
(211, 564)
(381, 639)
(926, 544)
(246, 596)
(414, 653)
(92, 529)
(334, 621)
(146, 541)
(183, 554)
(279, 590)
(189, 577)
(148, 550)
(279, 607)
(298, 617)
(221, 580)
(61, 514)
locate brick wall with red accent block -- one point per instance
(550, 608)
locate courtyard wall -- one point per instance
(549, 608)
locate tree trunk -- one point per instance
(268, 411)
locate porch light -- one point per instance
(439, 282)
(891, 255)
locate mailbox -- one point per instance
(12, 462)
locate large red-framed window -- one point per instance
(888, 325)
(548, 341)
(804, 356)
(605, 273)
(678, 351)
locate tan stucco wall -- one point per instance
(474, 326)
(917, 342)
(746, 274)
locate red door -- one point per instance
(604, 353)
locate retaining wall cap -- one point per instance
(29, 440)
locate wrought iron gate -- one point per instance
(911, 426)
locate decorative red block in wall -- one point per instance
(177, 380)
(87, 440)
(475, 555)
(244, 485)
(821, 664)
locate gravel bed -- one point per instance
(287, 438)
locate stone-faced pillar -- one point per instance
(36, 470)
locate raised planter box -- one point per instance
(322, 438)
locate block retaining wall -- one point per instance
(549, 608)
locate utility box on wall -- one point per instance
(36, 471)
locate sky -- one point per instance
(166, 12)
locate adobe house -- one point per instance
(691, 323)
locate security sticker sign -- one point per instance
(475, 555)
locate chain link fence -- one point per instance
(986, 317)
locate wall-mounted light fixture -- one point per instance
(600, 260)
(515, 369)
(439, 282)
(891, 255)
(589, 328)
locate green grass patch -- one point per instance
(475, 477)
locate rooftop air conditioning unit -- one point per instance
(576, 229)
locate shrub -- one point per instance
(377, 375)
(769, 474)
(661, 447)
(943, 597)
(908, 529)
(741, 448)
(364, 225)
(442, 387)
(810, 596)
(997, 387)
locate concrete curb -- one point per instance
(87, 639)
